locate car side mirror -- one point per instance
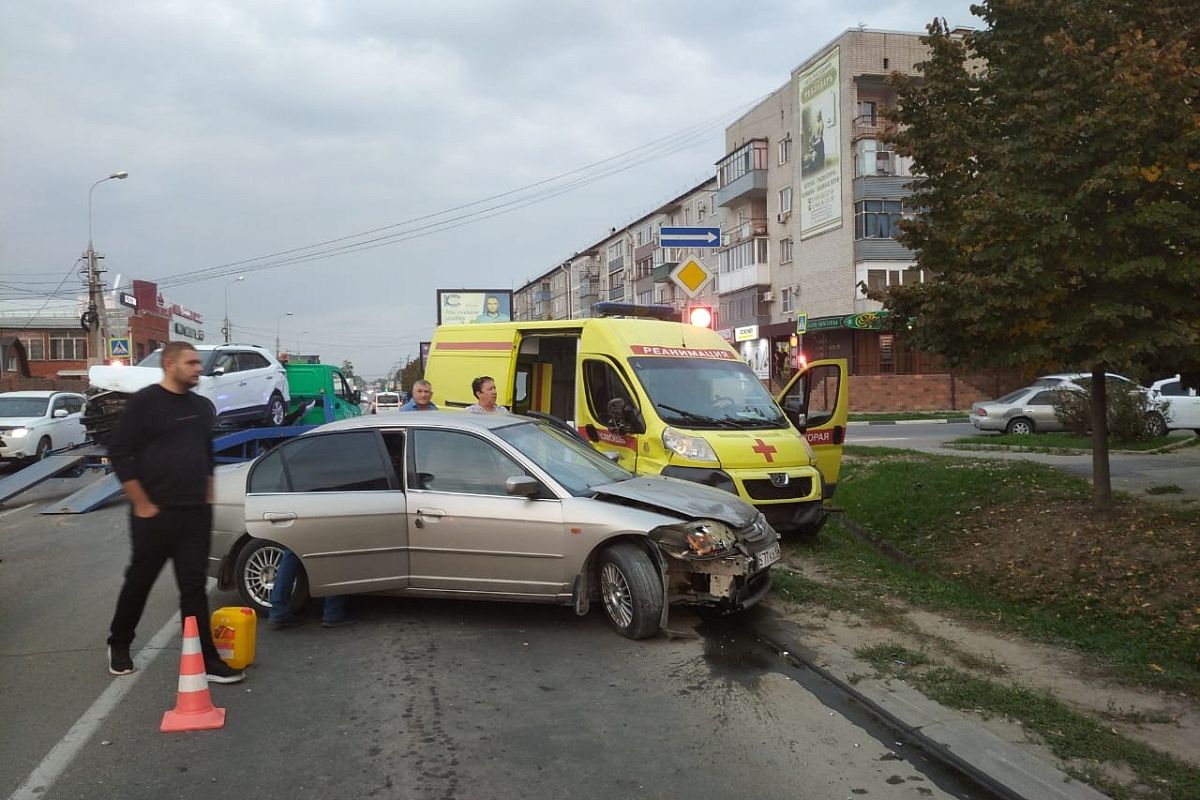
(355, 397)
(612, 455)
(522, 486)
(217, 371)
(618, 415)
(59, 413)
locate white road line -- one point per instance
(15, 510)
(858, 439)
(62, 754)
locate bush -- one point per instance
(1129, 407)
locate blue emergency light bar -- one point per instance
(610, 309)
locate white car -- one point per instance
(245, 383)
(1183, 404)
(32, 423)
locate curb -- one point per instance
(948, 735)
(951, 421)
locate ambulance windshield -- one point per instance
(707, 393)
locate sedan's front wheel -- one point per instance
(631, 589)
(254, 576)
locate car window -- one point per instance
(225, 361)
(1172, 389)
(603, 383)
(452, 461)
(575, 465)
(248, 359)
(1011, 397)
(1043, 398)
(340, 389)
(268, 475)
(73, 404)
(23, 406)
(335, 462)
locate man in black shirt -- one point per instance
(162, 453)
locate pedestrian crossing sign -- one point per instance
(118, 348)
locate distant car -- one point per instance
(245, 383)
(1182, 404)
(1024, 411)
(35, 422)
(485, 507)
(1079, 379)
(386, 401)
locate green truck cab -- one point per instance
(326, 392)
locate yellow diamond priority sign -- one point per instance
(691, 276)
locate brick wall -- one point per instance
(929, 391)
(19, 384)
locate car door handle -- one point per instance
(280, 517)
(431, 512)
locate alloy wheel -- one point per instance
(618, 601)
(259, 575)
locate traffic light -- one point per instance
(702, 316)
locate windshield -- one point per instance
(23, 406)
(572, 463)
(155, 360)
(707, 393)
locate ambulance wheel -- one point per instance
(631, 589)
(254, 575)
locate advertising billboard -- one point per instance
(472, 306)
(820, 147)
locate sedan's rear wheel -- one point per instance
(254, 576)
(631, 589)
(1019, 426)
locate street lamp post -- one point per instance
(228, 330)
(94, 320)
(278, 322)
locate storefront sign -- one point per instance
(866, 321)
(746, 333)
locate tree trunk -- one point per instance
(1102, 501)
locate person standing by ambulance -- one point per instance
(484, 388)
(162, 452)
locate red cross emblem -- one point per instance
(765, 449)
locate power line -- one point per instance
(680, 140)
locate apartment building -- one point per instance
(627, 265)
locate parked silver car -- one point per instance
(1027, 410)
(485, 507)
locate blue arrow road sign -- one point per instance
(689, 237)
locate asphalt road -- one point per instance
(419, 699)
(1130, 472)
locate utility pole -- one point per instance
(95, 320)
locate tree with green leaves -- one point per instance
(410, 373)
(1058, 150)
(348, 368)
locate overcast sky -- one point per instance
(252, 127)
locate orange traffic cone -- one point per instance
(194, 709)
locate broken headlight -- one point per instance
(700, 539)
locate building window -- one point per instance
(785, 200)
(35, 347)
(746, 254)
(787, 300)
(660, 293)
(785, 149)
(644, 298)
(68, 349)
(787, 248)
(868, 111)
(878, 219)
(645, 235)
(869, 159)
(616, 251)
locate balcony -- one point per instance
(749, 229)
(616, 293)
(872, 126)
(587, 289)
(616, 264)
(742, 174)
(662, 273)
(541, 296)
(751, 275)
(645, 250)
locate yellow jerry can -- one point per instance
(233, 629)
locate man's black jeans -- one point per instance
(182, 534)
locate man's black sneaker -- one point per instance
(220, 672)
(290, 621)
(119, 662)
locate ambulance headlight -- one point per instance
(693, 448)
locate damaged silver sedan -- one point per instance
(475, 506)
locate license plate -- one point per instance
(767, 557)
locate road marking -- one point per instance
(15, 510)
(62, 754)
(858, 439)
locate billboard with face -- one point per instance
(820, 147)
(472, 306)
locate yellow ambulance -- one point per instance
(663, 397)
